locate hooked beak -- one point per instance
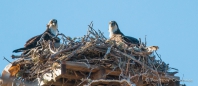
(111, 24)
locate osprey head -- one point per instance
(113, 26)
(53, 24)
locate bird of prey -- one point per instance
(52, 31)
(114, 30)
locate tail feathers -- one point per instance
(19, 50)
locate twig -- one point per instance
(127, 68)
(133, 58)
(66, 50)
(13, 56)
(110, 71)
(108, 51)
(88, 32)
(158, 56)
(102, 36)
(90, 73)
(82, 82)
(157, 74)
(7, 60)
(50, 48)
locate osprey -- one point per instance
(114, 30)
(52, 30)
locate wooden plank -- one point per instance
(111, 72)
(59, 81)
(63, 67)
(81, 66)
(78, 77)
(100, 74)
(139, 81)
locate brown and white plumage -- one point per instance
(114, 30)
(152, 48)
(32, 42)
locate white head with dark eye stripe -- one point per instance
(53, 26)
(113, 27)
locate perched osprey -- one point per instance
(114, 30)
(52, 29)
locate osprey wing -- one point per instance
(131, 40)
(33, 41)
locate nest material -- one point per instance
(119, 60)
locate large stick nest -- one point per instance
(92, 49)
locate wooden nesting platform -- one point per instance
(81, 74)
